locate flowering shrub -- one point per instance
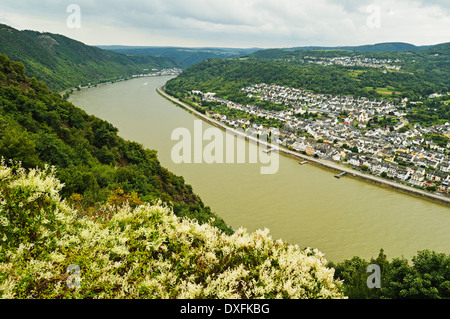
(100, 212)
(140, 252)
(28, 208)
(119, 198)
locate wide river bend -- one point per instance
(302, 204)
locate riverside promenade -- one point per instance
(320, 162)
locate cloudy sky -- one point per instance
(235, 23)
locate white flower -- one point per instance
(57, 257)
(4, 221)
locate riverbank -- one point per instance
(320, 162)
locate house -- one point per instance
(208, 96)
(336, 157)
(402, 174)
(445, 186)
(354, 161)
(445, 167)
(309, 150)
(435, 176)
(299, 146)
(421, 171)
(390, 169)
(417, 179)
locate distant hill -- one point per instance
(62, 62)
(410, 74)
(430, 63)
(379, 47)
(187, 56)
(443, 49)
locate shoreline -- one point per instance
(322, 163)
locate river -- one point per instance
(301, 204)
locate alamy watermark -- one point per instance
(227, 147)
(74, 280)
(374, 280)
(374, 19)
(74, 19)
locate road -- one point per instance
(324, 163)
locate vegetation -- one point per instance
(186, 56)
(427, 277)
(140, 252)
(83, 196)
(378, 47)
(237, 114)
(423, 73)
(38, 127)
(429, 112)
(63, 63)
(126, 248)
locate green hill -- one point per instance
(378, 47)
(63, 63)
(413, 74)
(187, 56)
(38, 127)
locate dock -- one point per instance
(339, 175)
(270, 150)
(304, 162)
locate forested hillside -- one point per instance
(63, 63)
(378, 47)
(187, 56)
(422, 72)
(38, 127)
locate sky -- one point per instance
(234, 23)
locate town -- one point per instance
(358, 60)
(156, 72)
(347, 130)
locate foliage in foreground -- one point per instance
(140, 252)
(426, 277)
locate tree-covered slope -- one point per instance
(422, 72)
(378, 47)
(63, 63)
(187, 56)
(38, 127)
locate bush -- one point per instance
(140, 252)
(426, 277)
(28, 210)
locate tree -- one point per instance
(18, 146)
(428, 277)
(354, 274)
(403, 129)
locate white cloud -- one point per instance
(240, 23)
